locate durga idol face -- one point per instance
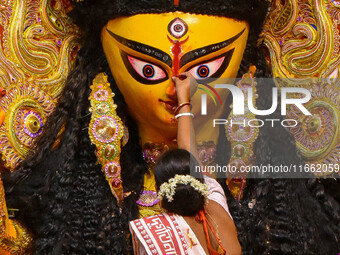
(144, 51)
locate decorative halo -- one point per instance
(27, 108)
(317, 135)
(33, 124)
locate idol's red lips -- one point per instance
(170, 105)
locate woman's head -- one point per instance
(187, 201)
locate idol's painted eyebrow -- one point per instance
(200, 52)
(143, 48)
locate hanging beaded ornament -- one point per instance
(242, 137)
(106, 131)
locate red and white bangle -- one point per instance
(184, 114)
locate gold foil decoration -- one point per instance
(303, 41)
(38, 48)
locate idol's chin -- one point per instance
(159, 128)
(168, 126)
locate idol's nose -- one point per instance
(171, 90)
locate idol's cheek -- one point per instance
(146, 104)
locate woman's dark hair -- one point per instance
(66, 202)
(187, 200)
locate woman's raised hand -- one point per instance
(186, 86)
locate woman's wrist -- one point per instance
(182, 101)
(184, 108)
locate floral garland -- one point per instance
(167, 189)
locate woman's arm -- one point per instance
(224, 227)
(186, 86)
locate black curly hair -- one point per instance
(66, 202)
(187, 201)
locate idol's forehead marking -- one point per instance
(165, 58)
(178, 28)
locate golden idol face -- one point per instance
(144, 51)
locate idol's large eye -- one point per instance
(212, 68)
(143, 71)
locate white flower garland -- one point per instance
(167, 189)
